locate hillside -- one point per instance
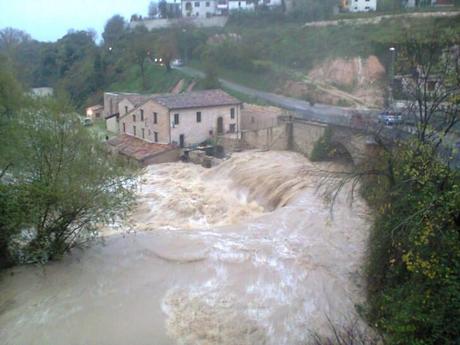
(287, 57)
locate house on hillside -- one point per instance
(42, 92)
(113, 108)
(419, 3)
(95, 112)
(199, 8)
(358, 5)
(151, 128)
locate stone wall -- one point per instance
(153, 24)
(172, 155)
(305, 135)
(273, 138)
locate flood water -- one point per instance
(244, 253)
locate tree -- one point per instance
(153, 9)
(310, 10)
(114, 30)
(62, 185)
(11, 38)
(141, 47)
(389, 5)
(211, 79)
(166, 48)
(163, 8)
(10, 90)
(413, 271)
(430, 72)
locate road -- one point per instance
(319, 112)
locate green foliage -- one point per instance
(211, 79)
(322, 150)
(312, 10)
(414, 266)
(389, 5)
(10, 90)
(158, 80)
(114, 30)
(59, 185)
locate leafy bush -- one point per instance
(322, 149)
(414, 264)
(59, 185)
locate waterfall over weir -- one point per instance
(243, 253)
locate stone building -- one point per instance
(185, 119)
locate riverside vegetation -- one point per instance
(413, 269)
(58, 184)
(414, 255)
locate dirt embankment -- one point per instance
(378, 19)
(343, 82)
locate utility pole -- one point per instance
(391, 81)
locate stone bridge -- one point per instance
(300, 135)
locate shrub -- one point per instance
(414, 263)
(322, 149)
(61, 186)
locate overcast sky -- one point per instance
(48, 20)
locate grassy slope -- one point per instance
(294, 49)
(158, 80)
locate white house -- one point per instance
(199, 8)
(361, 5)
(240, 5)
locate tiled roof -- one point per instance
(137, 148)
(196, 99)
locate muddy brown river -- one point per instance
(243, 253)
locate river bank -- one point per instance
(261, 262)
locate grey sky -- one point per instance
(48, 20)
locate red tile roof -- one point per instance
(137, 148)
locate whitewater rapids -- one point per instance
(244, 253)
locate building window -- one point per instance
(198, 116)
(207, 4)
(155, 134)
(176, 119)
(197, 4)
(232, 128)
(124, 127)
(232, 113)
(134, 130)
(126, 109)
(155, 118)
(142, 114)
(134, 117)
(143, 133)
(150, 132)
(252, 119)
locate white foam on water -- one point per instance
(244, 253)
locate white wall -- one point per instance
(196, 133)
(112, 125)
(125, 103)
(148, 125)
(199, 8)
(362, 5)
(240, 5)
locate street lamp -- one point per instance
(184, 31)
(391, 81)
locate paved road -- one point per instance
(319, 112)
